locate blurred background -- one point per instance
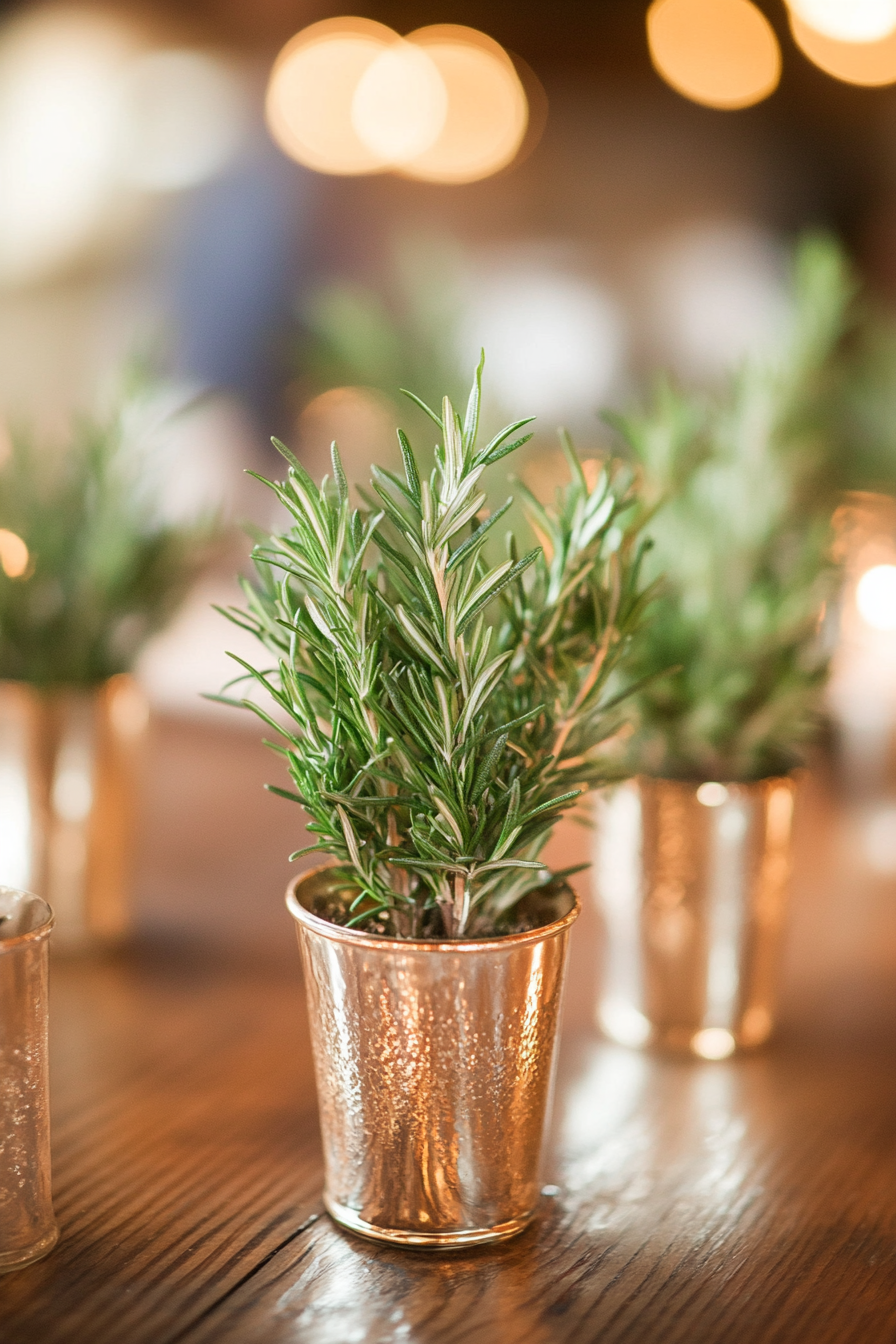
(599, 211)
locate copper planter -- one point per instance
(692, 881)
(434, 1066)
(68, 774)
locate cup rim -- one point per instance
(31, 935)
(339, 934)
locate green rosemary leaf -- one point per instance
(519, 568)
(471, 420)
(504, 451)
(410, 467)
(309, 849)
(427, 410)
(284, 793)
(559, 802)
(500, 438)
(339, 474)
(475, 540)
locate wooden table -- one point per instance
(744, 1202)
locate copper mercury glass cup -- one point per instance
(434, 1064)
(691, 880)
(69, 759)
(27, 1227)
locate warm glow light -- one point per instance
(848, 20)
(487, 112)
(712, 794)
(361, 421)
(876, 597)
(89, 118)
(311, 94)
(59, 90)
(13, 554)
(713, 1043)
(400, 104)
(443, 105)
(625, 1023)
(868, 63)
(722, 53)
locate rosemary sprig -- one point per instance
(104, 571)
(742, 488)
(444, 707)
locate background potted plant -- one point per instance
(88, 571)
(439, 709)
(693, 854)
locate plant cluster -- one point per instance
(443, 707)
(741, 489)
(89, 571)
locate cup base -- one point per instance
(11, 1260)
(476, 1236)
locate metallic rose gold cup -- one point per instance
(434, 1066)
(69, 759)
(691, 881)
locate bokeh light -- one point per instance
(868, 63)
(848, 20)
(487, 111)
(362, 422)
(59, 135)
(89, 120)
(722, 53)
(350, 96)
(717, 294)
(400, 104)
(13, 554)
(876, 597)
(554, 338)
(713, 1043)
(311, 94)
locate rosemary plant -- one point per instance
(444, 708)
(742, 489)
(89, 571)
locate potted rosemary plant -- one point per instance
(443, 709)
(88, 572)
(693, 854)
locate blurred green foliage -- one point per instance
(742, 486)
(862, 400)
(105, 570)
(402, 335)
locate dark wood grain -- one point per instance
(747, 1202)
(184, 1144)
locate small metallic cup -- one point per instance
(27, 1227)
(691, 880)
(434, 1065)
(68, 770)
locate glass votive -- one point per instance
(27, 1226)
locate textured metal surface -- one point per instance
(27, 1227)
(692, 883)
(67, 786)
(434, 1066)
